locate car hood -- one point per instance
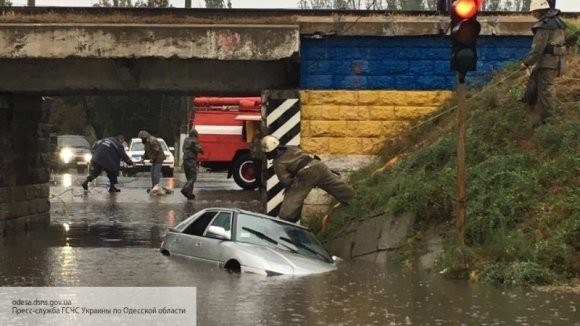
(277, 260)
(77, 150)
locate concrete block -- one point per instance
(317, 82)
(413, 112)
(350, 82)
(350, 67)
(319, 145)
(421, 67)
(321, 128)
(342, 246)
(353, 112)
(373, 146)
(432, 82)
(394, 231)
(380, 82)
(381, 113)
(434, 251)
(311, 212)
(344, 145)
(43, 206)
(328, 97)
(316, 52)
(363, 128)
(387, 67)
(320, 112)
(372, 257)
(382, 257)
(404, 82)
(4, 194)
(318, 197)
(394, 128)
(367, 236)
(346, 163)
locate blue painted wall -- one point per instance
(398, 63)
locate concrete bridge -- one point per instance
(362, 76)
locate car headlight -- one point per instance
(88, 157)
(66, 155)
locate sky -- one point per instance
(564, 5)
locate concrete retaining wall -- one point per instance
(374, 239)
(398, 63)
(24, 144)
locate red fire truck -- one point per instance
(226, 127)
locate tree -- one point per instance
(5, 3)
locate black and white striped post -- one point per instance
(282, 115)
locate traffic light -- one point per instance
(464, 31)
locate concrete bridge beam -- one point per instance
(222, 42)
(121, 76)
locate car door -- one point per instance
(187, 242)
(196, 242)
(210, 246)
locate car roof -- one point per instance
(140, 141)
(237, 210)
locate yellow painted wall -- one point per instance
(359, 122)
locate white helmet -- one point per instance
(539, 5)
(269, 143)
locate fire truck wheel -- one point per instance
(244, 172)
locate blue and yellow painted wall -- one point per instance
(357, 91)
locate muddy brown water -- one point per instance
(114, 243)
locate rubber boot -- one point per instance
(113, 189)
(86, 184)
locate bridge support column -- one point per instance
(24, 162)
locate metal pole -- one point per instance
(461, 205)
(187, 3)
(32, 3)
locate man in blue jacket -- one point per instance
(107, 157)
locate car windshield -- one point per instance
(72, 141)
(266, 232)
(139, 146)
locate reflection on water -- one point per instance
(113, 244)
(67, 180)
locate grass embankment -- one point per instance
(523, 185)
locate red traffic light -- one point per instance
(466, 9)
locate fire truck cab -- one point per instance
(226, 127)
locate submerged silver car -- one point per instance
(244, 241)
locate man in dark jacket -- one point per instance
(154, 153)
(107, 157)
(191, 149)
(545, 59)
(300, 173)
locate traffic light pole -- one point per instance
(461, 204)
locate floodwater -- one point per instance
(100, 239)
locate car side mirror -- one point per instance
(126, 149)
(172, 149)
(218, 232)
(337, 259)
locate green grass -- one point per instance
(522, 225)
